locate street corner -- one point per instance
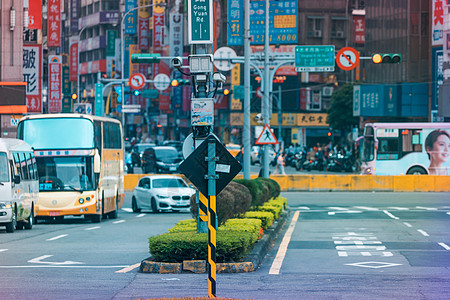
(149, 266)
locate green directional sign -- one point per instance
(151, 93)
(99, 99)
(317, 58)
(200, 22)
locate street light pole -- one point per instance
(78, 67)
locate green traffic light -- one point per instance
(137, 93)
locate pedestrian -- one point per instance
(280, 163)
(129, 162)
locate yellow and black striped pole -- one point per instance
(202, 225)
(212, 224)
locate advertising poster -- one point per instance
(54, 84)
(32, 75)
(436, 144)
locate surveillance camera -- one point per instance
(219, 77)
(259, 118)
(177, 62)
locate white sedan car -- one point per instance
(162, 193)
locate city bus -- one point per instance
(80, 164)
(19, 190)
(405, 148)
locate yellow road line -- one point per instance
(129, 268)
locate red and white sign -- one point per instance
(359, 30)
(347, 58)
(266, 137)
(54, 83)
(32, 74)
(73, 58)
(137, 81)
(54, 23)
(35, 14)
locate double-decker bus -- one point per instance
(406, 148)
(80, 164)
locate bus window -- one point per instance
(4, 174)
(387, 149)
(411, 141)
(23, 163)
(30, 166)
(18, 167)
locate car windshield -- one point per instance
(166, 153)
(4, 169)
(168, 183)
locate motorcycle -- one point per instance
(340, 163)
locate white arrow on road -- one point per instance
(39, 260)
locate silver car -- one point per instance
(162, 193)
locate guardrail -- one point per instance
(331, 183)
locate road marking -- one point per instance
(93, 228)
(278, 261)
(337, 208)
(407, 224)
(366, 208)
(426, 208)
(127, 209)
(373, 264)
(390, 215)
(303, 207)
(118, 222)
(398, 208)
(3, 250)
(445, 246)
(38, 260)
(62, 266)
(140, 216)
(129, 268)
(448, 213)
(332, 213)
(423, 232)
(57, 237)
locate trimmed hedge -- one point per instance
(184, 225)
(243, 225)
(265, 217)
(256, 189)
(272, 185)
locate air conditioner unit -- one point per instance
(327, 91)
(339, 34)
(317, 33)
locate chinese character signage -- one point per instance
(32, 70)
(73, 58)
(236, 104)
(131, 18)
(359, 30)
(143, 26)
(35, 14)
(437, 22)
(306, 120)
(283, 17)
(74, 15)
(54, 83)
(54, 23)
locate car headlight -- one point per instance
(162, 196)
(4, 205)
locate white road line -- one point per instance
(59, 266)
(407, 224)
(342, 253)
(366, 208)
(93, 228)
(140, 216)
(278, 261)
(427, 208)
(118, 222)
(303, 207)
(390, 215)
(3, 250)
(337, 208)
(398, 208)
(129, 268)
(127, 209)
(445, 246)
(448, 213)
(423, 232)
(57, 237)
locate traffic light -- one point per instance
(74, 96)
(180, 82)
(224, 91)
(145, 58)
(136, 92)
(386, 58)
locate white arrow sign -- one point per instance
(38, 260)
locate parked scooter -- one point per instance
(340, 163)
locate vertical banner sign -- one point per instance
(200, 22)
(35, 14)
(73, 58)
(54, 23)
(111, 42)
(158, 34)
(98, 99)
(235, 19)
(67, 104)
(437, 75)
(446, 45)
(176, 49)
(143, 26)
(359, 30)
(54, 83)
(32, 73)
(437, 22)
(236, 104)
(74, 16)
(130, 19)
(187, 92)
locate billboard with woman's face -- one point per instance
(437, 146)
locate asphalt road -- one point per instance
(342, 246)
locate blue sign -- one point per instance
(99, 99)
(437, 75)
(131, 18)
(283, 19)
(372, 100)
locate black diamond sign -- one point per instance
(195, 166)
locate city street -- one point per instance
(338, 245)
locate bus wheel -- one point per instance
(28, 224)
(114, 214)
(11, 226)
(416, 171)
(96, 218)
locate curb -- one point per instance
(251, 263)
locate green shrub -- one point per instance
(279, 201)
(245, 225)
(275, 210)
(231, 246)
(265, 217)
(256, 190)
(273, 186)
(242, 199)
(184, 225)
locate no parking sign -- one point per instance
(347, 58)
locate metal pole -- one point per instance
(78, 67)
(280, 118)
(247, 134)
(266, 89)
(212, 225)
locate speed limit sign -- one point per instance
(347, 58)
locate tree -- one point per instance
(340, 113)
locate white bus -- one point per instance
(19, 188)
(406, 148)
(80, 164)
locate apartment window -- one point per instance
(96, 6)
(315, 26)
(338, 27)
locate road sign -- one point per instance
(82, 108)
(266, 137)
(314, 58)
(202, 111)
(137, 81)
(224, 52)
(131, 108)
(347, 58)
(200, 21)
(99, 99)
(150, 93)
(161, 81)
(195, 167)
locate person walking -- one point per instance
(280, 163)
